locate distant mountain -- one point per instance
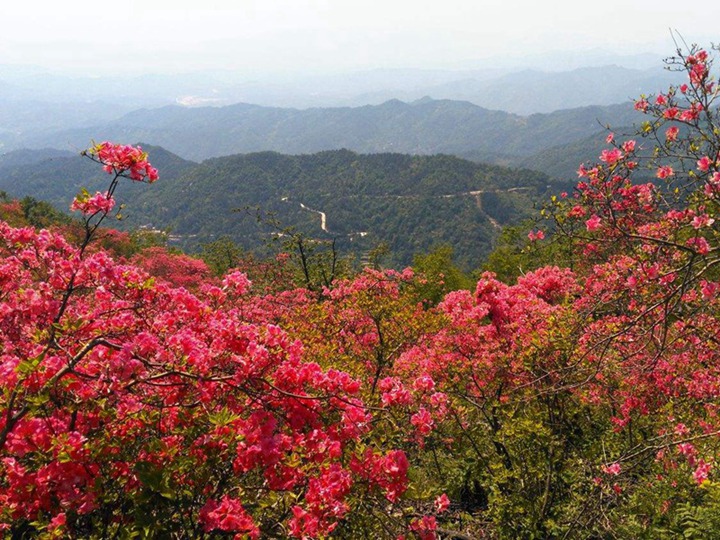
(22, 118)
(412, 203)
(18, 158)
(529, 91)
(532, 82)
(361, 110)
(426, 126)
(567, 59)
(524, 88)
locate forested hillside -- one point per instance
(409, 203)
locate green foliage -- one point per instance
(515, 255)
(315, 264)
(147, 238)
(699, 520)
(410, 203)
(440, 274)
(221, 255)
(41, 214)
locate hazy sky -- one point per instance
(315, 35)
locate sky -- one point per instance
(167, 36)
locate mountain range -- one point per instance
(425, 126)
(39, 108)
(337, 160)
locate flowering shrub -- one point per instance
(96, 204)
(570, 403)
(178, 269)
(128, 404)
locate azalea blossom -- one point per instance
(536, 235)
(611, 156)
(702, 471)
(704, 163)
(442, 503)
(593, 224)
(699, 222)
(642, 105)
(95, 204)
(629, 146)
(124, 159)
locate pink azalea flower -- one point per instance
(629, 146)
(442, 503)
(699, 222)
(664, 172)
(702, 471)
(700, 244)
(593, 223)
(611, 156)
(704, 163)
(642, 105)
(125, 160)
(98, 203)
(536, 235)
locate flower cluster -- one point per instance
(124, 160)
(100, 203)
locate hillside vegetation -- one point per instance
(574, 394)
(409, 203)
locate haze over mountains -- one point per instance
(423, 127)
(36, 102)
(339, 145)
(572, 75)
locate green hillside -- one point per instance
(410, 203)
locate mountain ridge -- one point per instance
(423, 127)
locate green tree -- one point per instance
(515, 254)
(440, 275)
(221, 255)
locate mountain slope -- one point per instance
(412, 203)
(423, 127)
(409, 202)
(56, 176)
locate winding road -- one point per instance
(476, 194)
(323, 217)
